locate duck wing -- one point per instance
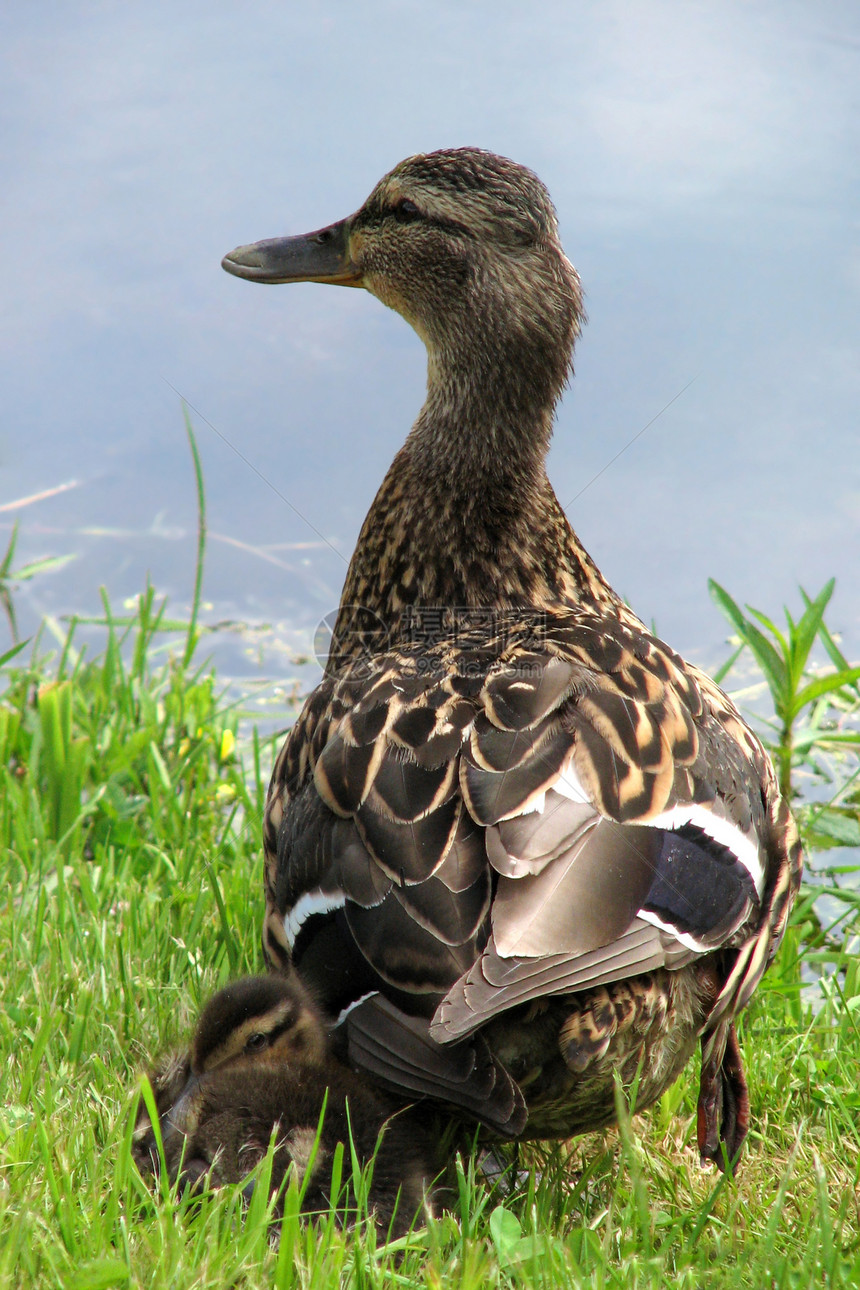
(466, 829)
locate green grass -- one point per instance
(130, 808)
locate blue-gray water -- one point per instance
(705, 162)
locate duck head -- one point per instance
(464, 245)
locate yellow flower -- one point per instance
(228, 743)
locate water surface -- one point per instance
(704, 162)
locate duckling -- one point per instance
(514, 841)
(259, 1065)
(270, 1020)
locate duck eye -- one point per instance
(406, 210)
(255, 1043)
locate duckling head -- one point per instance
(464, 244)
(259, 1018)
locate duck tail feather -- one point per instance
(398, 1052)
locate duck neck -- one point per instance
(482, 421)
(466, 516)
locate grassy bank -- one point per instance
(130, 807)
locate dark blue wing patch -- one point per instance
(700, 887)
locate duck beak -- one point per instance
(323, 256)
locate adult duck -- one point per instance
(514, 842)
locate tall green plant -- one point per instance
(10, 576)
(193, 634)
(799, 695)
(64, 759)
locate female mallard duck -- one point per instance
(259, 1065)
(514, 842)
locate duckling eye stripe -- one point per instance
(275, 1032)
